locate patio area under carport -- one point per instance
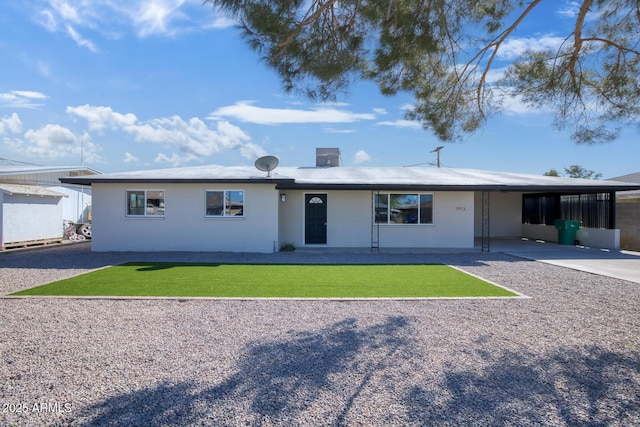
(615, 263)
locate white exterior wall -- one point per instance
(596, 237)
(77, 205)
(453, 214)
(185, 226)
(505, 214)
(290, 223)
(27, 218)
(349, 217)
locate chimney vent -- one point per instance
(327, 157)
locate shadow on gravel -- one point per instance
(589, 387)
(350, 375)
(275, 381)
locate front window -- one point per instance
(403, 208)
(147, 203)
(223, 203)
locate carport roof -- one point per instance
(369, 178)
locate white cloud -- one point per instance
(361, 157)
(29, 94)
(513, 104)
(411, 124)
(513, 48)
(495, 74)
(221, 22)
(246, 112)
(193, 138)
(65, 10)
(129, 158)
(51, 141)
(54, 142)
(13, 144)
(252, 151)
(48, 20)
(81, 41)
(155, 16)
(380, 111)
(571, 9)
(334, 130)
(174, 160)
(11, 124)
(101, 117)
(112, 18)
(43, 68)
(22, 99)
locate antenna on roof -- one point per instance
(267, 164)
(437, 151)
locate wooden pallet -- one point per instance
(31, 243)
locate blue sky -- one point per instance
(144, 84)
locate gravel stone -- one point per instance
(567, 355)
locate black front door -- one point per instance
(315, 213)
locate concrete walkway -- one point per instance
(623, 265)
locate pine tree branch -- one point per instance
(283, 44)
(495, 45)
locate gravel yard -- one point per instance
(568, 355)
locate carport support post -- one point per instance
(486, 235)
(612, 210)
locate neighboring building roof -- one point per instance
(629, 195)
(346, 178)
(28, 190)
(632, 177)
(29, 169)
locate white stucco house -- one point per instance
(34, 203)
(218, 208)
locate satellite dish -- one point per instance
(267, 164)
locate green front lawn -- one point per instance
(277, 281)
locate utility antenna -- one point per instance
(437, 151)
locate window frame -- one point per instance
(387, 199)
(145, 214)
(224, 203)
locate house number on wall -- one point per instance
(461, 208)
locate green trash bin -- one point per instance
(567, 230)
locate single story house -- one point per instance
(242, 209)
(34, 203)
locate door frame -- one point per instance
(304, 216)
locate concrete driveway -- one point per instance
(623, 265)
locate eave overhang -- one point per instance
(96, 180)
(565, 189)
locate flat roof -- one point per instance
(28, 190)
(369, 178)
(29, 169)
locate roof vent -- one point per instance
(327, 157)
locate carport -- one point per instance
(530, 211)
